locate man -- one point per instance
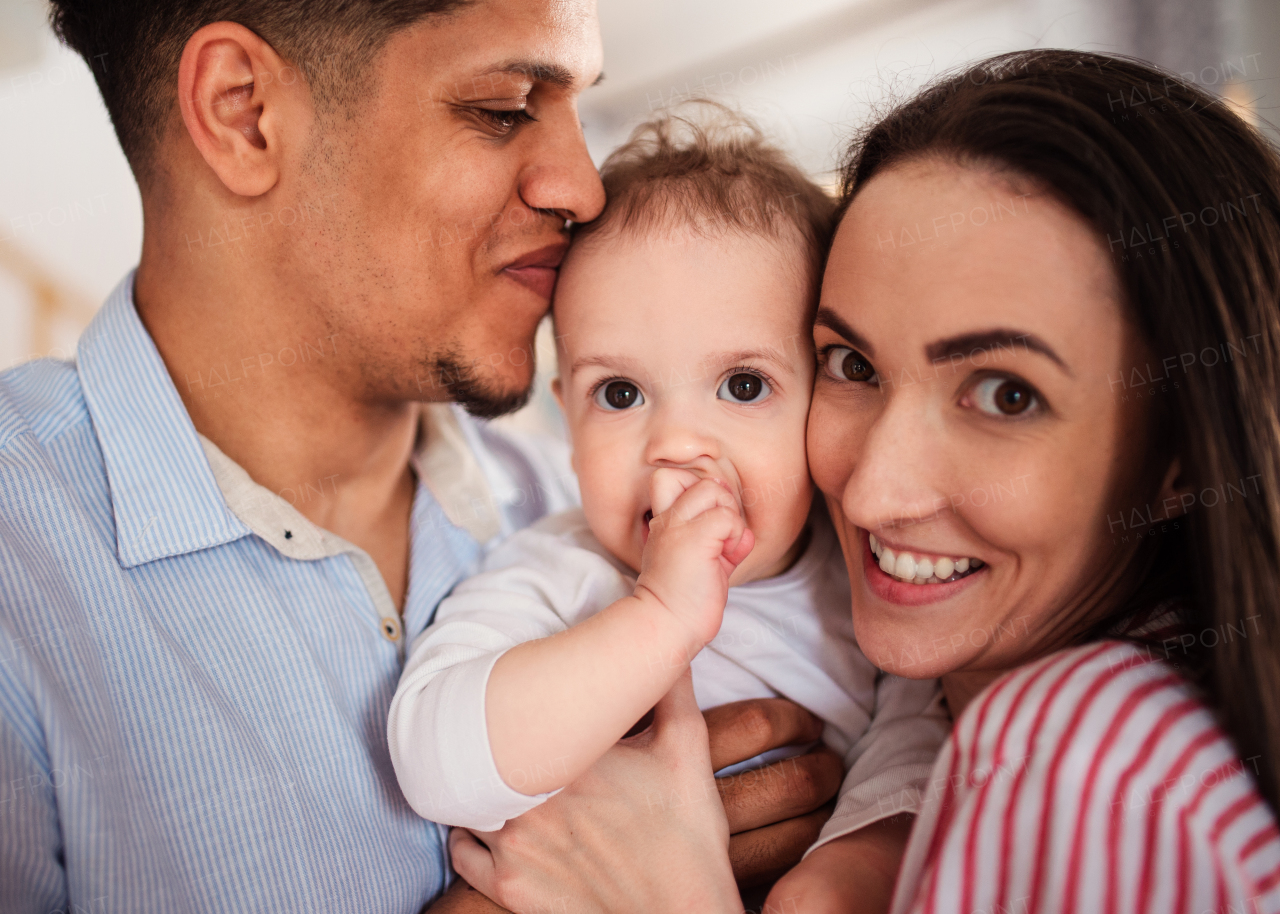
(221, 526)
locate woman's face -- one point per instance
(973, 413)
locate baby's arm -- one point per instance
(555, 705)
(852, 874)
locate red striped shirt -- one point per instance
(1093, 780)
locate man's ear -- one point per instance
(235, 93)
(1175, 496)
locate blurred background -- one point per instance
(811, 70)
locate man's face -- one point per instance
(449, 192)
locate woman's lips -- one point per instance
(891, 590)
(537, 270)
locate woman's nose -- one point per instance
(896, 480)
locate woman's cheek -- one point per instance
(832, 455)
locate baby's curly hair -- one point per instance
(705, 167)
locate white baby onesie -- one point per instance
(789, 636)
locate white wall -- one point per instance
(68, 203)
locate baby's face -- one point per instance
(689, 352)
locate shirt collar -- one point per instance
(446, 461)
(442, 549)
(164, 496)
(173, 492)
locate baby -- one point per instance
(685, 366)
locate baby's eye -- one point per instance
(848, 364)
(744, 387)
(616, 395)
(1004, 397)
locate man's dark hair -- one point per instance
(133, 48)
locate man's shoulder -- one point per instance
(492, 480)
(525, 466)
(42, 399)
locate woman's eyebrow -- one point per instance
(832, 321)
(994, 342)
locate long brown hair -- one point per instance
(1186, 196)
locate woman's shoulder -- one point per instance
(1079, 711)
(1104, 752)
(1073, 687)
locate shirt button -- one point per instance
(391, 628)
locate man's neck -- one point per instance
(272, 398)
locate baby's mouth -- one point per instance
(648, 516)
(917, 569)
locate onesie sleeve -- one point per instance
(532, 586)
(889, 766)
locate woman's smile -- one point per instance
(913, 578)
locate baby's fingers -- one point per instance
(705, 495)
(666, 485)
(736, 552)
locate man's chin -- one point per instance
(483, 397)
(484, 403)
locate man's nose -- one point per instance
(562, 178)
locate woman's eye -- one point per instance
(618, 395)
(1004, 397)
(744, 387)
(849, 365)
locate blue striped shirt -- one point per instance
(194, 681)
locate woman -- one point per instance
(1047, 429)
(1050, 341)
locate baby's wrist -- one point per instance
(676, 633)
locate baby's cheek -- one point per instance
(611, 506)
(777, 504)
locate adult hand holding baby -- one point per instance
(642, 830)
(697, 537)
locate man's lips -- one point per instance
(537, 269)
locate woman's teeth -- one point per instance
(927, 570)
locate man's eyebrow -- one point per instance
(832, 321)
(994, 342)
(542, 71)
(611, 362)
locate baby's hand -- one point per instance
(697, 537)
